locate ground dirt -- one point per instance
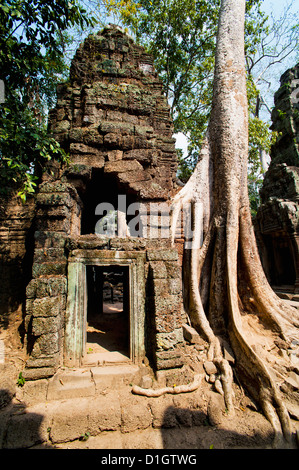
(94, 408)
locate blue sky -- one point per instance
(270, 7)
(277, 6)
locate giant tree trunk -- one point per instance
(227, 295)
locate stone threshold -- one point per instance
(83, 382)
(287, 293)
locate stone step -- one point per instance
(71, 384)
(115, 376)
(284, 288)
(119, 415)
(104, 358)
(89, 382)
(60, 421)
(288, 296)
(293, 303)
(85, 382)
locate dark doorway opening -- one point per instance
(108, 314)
(282, 270)
(102, 188)
(105, 191)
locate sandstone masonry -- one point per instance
(114, 121)
(277, 221)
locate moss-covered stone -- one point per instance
(113, 119)
(46, 287)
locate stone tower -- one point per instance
(277, 220)
(113, 119)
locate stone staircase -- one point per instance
(68, 405)
(79, 383)
(287, 293)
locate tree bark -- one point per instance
(227, 294)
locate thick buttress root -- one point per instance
(223, 257)
(239, 242)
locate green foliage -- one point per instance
(181, 35)
(84, 436)
(33, 37)
(185, 167)
(128, 9)
(21, 380)
(254, 186)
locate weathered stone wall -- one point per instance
(57, 207)
(277, 221)
(285, 119)
(161, 305)
(47, 296)
(16, 251)
(164, 300)
(113, 115)
(114, 120)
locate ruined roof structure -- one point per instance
(277, 221)
(113, 118)
(114, 121)
(285, 119)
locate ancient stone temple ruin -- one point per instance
(277, 220)
(105, 281)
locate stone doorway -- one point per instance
(280, 260)
(108, 314)
(85, 303)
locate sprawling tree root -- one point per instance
(150, 392)
(225, 288)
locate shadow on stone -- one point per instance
(19, 428)
(184, 428)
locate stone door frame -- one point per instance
(76, 309)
